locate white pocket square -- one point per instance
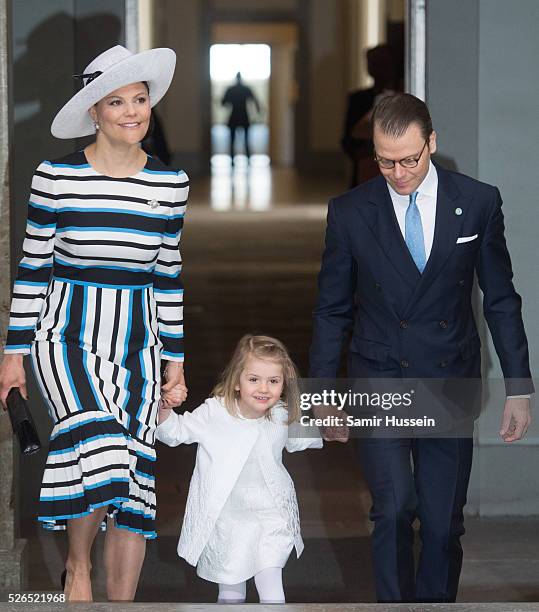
(466, 238)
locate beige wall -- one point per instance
(396, 10)
(328, 73)
(177, 25)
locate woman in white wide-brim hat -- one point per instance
(98, 304)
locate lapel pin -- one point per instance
(155, 203)
(458, 211)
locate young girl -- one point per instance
(242, 518)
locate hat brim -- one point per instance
(155, 66)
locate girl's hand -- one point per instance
(12, 374)
(174, 391)
(164, 413)
(175, 397)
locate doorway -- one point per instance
(275, 47)
(240, 76)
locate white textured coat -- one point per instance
(224, 444)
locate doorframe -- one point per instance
(415, 49)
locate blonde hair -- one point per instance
(261, 347)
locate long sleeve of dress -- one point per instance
(184, 428)
(36, 265)
(293, 445)
(167, 283)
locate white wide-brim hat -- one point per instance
(109, 71)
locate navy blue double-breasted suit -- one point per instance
(406, 324)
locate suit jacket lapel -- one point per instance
(380, 216)
(451, 209)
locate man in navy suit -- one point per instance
(398, 269)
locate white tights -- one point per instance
(269, 584)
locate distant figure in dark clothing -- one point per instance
(357, 135)
(237, 97)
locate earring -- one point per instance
(96, 125)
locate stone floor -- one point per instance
(501, 563)
(251, 246)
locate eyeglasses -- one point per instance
(406, 162)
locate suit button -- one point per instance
(462, 282)
(377, 286)
(403, 324)
(404, 363)
(443, 324)
(443, 364)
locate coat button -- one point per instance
(462, 282)
(403, 324)
(443, 324)
(443, 364)
(377, 286)
(404, 363)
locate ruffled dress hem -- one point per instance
(93, 462)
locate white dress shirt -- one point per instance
(426, 203)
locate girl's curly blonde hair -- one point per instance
(261, 347)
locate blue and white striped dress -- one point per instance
(98, 303)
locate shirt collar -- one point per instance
(428, 187)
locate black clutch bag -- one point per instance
(22, 422)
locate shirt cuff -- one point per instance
(17, 349)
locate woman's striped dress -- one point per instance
(98, 303)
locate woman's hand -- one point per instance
(12, 374)
(174, 391)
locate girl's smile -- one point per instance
(260, 386)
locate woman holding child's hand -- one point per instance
(97, 304)
(174, 391)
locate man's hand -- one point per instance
(516, 418)
(333, 433)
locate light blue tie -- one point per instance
(413, 233)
